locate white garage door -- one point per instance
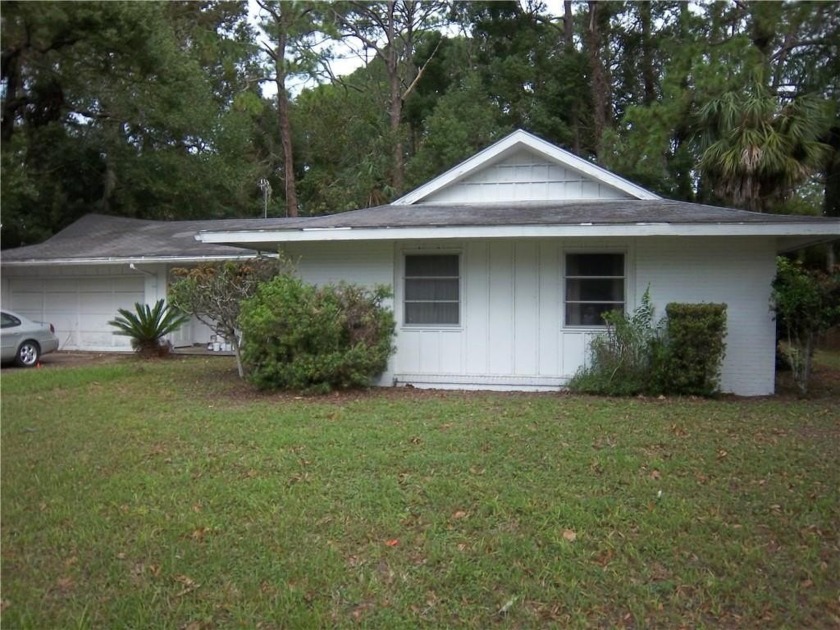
(79, 308)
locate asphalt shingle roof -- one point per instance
(533, 213)
(97, 236)
(108, 238)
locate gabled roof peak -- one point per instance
(515, 142)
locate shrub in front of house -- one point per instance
(148, 326)
(695, 348)
(624, 358)
(679, 355)
(301, 337)
(806, 303)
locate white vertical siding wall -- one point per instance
(524, 176)
(511, 334)
(737, 272)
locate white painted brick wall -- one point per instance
(734, 271)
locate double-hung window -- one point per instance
(594, 286)
(432, 289)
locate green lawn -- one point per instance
(169, 495)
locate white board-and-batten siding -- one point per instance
(511, 333)
(524, 176)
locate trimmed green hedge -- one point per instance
(695, 347)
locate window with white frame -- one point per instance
(594, 286)
(432, 285)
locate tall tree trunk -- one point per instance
(648, 75)
(568, 25)
(285, 122)
(283, 15)
(600, 84)
(395, 104)
(286, 139)
(569, 49)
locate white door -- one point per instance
(79, 308)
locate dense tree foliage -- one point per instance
(156, 109)
(136, 109)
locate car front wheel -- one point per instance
(28, 354)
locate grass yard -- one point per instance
(169, 495)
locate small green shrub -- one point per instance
(213, 292)
(695, 336)
(679, 355)
(147, 326)
(301, 337)
(626, 358)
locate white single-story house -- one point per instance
(500, 267)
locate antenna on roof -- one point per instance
(265, 187)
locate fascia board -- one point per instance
(509, 144)
(244, 239)
(36, 262)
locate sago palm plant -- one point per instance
(147, 326)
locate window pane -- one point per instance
(431, 265)
(594, 286)
(595, 290)
(432, 289)
(431, 313)
(416, 289)
(589, 314)
(595, 265)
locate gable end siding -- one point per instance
(524, 176)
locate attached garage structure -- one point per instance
(78, 279)
(79, 306)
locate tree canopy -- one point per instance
(157, 110)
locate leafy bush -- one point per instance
(695, 347)
(638, 355)
(625, 358)
(301, 337)
(147, 326)
(213, 293)
(806, 303)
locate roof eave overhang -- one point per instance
(137, 260)
(792, 234)
(793, 243)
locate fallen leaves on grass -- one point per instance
(569, 535)
(507, 605)
(199, 533)
(189, 585)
